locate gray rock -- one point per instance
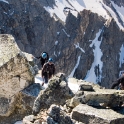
(111, 98)
(57, 116)
(15, 75)
(57, 92)
(89, 115)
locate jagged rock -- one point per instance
(56, 115)
(15, 71)
(73, 102)
(28, 119)
(94, 95)
(57, 92)
(89, 115)
(23, 104)
(88, 86)
(15, 75)
(79, 93)
(111, 98)
(76, 100)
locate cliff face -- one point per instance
(88, 46)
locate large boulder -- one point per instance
(89, 115)
(16, 73)
(57, 92)
(23, 104)
(107, 97)
(95, 95)
(15, 70)
(56, 115)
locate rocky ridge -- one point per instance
(87, 106)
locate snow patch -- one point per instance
(19, 122)
(114, 16)
(56, 42)
(39, 79)
(58, 9)
(65, 33)
(72, 73)
(55, 54)
(91, 76)
(77, 46)
(5, 13)
(121, 55)
(73, 86)
(120, 10)
(5, 1)
(121, 73)
(62, 7)
(58, 33)
(59, 53)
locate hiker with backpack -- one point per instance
(119, 82)
(43, 58)
(48, 70)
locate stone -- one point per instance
(109, 97)
(56, 115)
(73, 102)
(88, 86)
(38, 121)
(89, 115)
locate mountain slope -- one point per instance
(85, 37)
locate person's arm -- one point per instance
(54, 69)
(47, 56)
(116, 83)
(38, 57)
(42, 70)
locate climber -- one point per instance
(48, 71)
(119, 82)
(43, 58)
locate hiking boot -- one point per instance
(42, 84)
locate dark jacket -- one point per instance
(48, 70)
(42, 60)
(119, 81)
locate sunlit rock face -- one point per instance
(15, 71)
(87, 114)
(15, 75)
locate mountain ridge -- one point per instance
(72, 43)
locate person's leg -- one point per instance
(46, 79)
